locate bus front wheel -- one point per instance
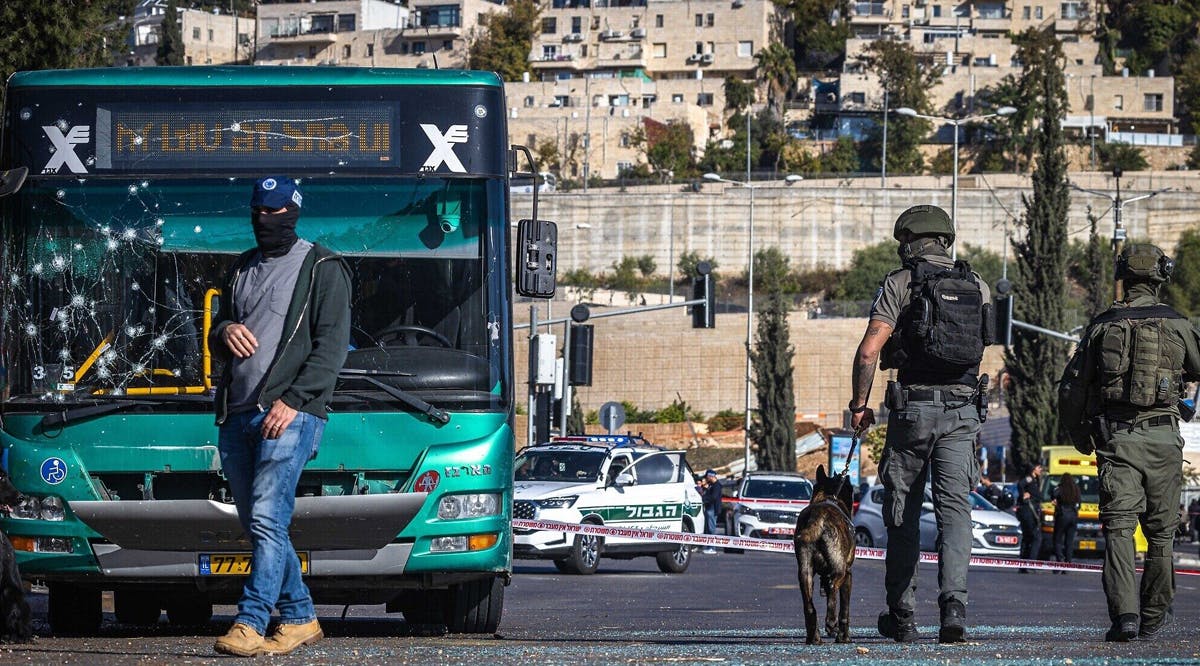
(475, 607)
(74, 610)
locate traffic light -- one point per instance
(581, 338)
(704, 315)
(1003, 306)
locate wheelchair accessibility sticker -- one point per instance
(54, 471)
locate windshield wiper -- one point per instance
(111, 404)
(439, 416)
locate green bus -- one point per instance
(135, 204)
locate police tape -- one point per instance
(786, 546)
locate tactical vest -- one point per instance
(1140, 358)
(942, 331)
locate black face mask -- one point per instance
(275, 233)
(920, 247)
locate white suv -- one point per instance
(766, 505)
(614, 480)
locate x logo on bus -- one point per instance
(427, 482)
(64, 148)
(443, 147)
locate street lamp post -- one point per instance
(956, 122)
(791, 178)
(883, 162)
(1118, 205)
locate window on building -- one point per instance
(1118, 102)
(704, 99)
(549, 51)
(583, 50)
(270, 27)
(196, 34)
(1089, 104)
(624, 167)
(576, 24)
(322, 23)
(528, 101)
(699, 48)
(312, 51)
(710, 20)
(403, 48)
(346, 51)
(1037, 13)
(371, 50)
(595, 23)
(658, 20)
(549, 25)
(857, 98)
(699, 20)
(418, 48)
(345, 22)
(937, 11)
(624, 141)
(1025, 12)
(189, 60)
(648, 101)
(618, 100)
(711, 48)
(447, 44)
(635, 22)
(660, 50)
(1152, 102)
(562, 100)
(904, 11)
(439, 16)
(1072, 10)
(210, 34)
(677, 98)
(745, 49)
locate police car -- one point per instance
(614, 480)
(766, 505)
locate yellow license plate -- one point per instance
(235, 564)
(1087, 545)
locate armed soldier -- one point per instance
(931, 320)
(1119, 396)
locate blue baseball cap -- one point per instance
(275, 192)
(710, 472)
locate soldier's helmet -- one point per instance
(924, 220)
(1144, 262)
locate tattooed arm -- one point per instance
(865, 360)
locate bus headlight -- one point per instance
(32, 507)
(475, 505)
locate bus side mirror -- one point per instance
(537, 257)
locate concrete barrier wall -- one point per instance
(822, 223)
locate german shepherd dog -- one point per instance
(824, 543)
(16, 625)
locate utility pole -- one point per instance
(587, 129)
(883, 162)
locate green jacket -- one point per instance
(316, 335)
(1079, 390)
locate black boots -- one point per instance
(1124, 629)
(954, 623)
(898, 626)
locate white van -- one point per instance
(547, 182)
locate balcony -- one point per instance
(625, 58)
(872, 13)
(558, 61)
(307, 37)
(434, 30)
(992, 21)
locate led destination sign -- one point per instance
(190, 137)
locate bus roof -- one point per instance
(250, 76)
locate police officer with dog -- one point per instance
(1120, 396)
(931, 320)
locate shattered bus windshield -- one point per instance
(111, 283)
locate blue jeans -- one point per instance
(263, 474)
(710, 520)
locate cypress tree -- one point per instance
(774, 428)
(1035, 361)
(61, 34)
(170, 45)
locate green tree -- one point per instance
(625, 275)
(1187, 96)
(170, 44)
(767, 134)
(842, 157)
(988, 264)
(646, 265)
(774, 427)
(546, 154)
(1011, 132)
(667, 148)
(1183, 291)
(868, 266)
(1097, 276)
(820, 38)
(1035, 361)
(687, 265)
(739, 94)
(1121, 155)
(907, 81)
(942, 163)
(777, 69)
(1194, 158)
(772, 271)
(63, 34)
(502, 40)
(575, 420)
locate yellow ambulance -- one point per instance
(1089, 535)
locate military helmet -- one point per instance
(924, 220)
(1144, 262)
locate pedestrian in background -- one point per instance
(1029, 512)
(1120, 396)
(271, 404)
(712, 505)
(1194, 517)
(931, 320)
(994, 493)
(1066, 498)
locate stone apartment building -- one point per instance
(970, 42)
(209, 38)
(599, 69)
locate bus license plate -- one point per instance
(1087, 545)
(1006, 539)
(235, 564)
